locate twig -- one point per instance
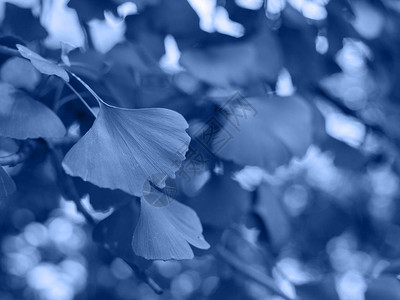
(251, 273)
(71, 192)
(20, 156)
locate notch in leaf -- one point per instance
(124, 147)
(43, 65)
(7, 185)
(166, 232)
(21, 117)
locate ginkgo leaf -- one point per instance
(43, 65)
(276, 129)
(226, 198)
(124, 147)
(166, 232)
(21, 117)
(7, 185)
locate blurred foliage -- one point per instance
(293, 166)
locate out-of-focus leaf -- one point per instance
(7, 185)
(346, 156)
(116, 232)
(236, 64)
(134, 80)
(393, 268)
(276, 129)
(318, 290)
(8, 146)
(221, 201)
(369, 21)
(92, 9)
(20, 73)
(272, 213)
(302, 60)
(43, 65)
(125, 147)
(383, 288)
(166, 232)
(164, 19)
(21, 117)
(54, 17)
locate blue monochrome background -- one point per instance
(199, 149)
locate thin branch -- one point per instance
(20, 156)
(71, 191)
(251, 273)
(90, 90)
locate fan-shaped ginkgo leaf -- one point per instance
(21, 117)
(124, 147)
(166, 232)
(276, 129)
(7, 185)
(43, 65)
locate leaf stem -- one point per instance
(99, 100)
(88, 88)
(80, 98)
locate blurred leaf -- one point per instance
(125, 147)
(166, 232)
(43, 65)
(276, 129)
(383, 288)
(346, 156)
(221, 201)
(276, 221)
(134, 80)
(20, 73)
(236, 64)
(301, 58)
(324, 289)
(7, 185)
(92, 9)
(21, 117)
(8, 146)
(163, 17)
(393, 268)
